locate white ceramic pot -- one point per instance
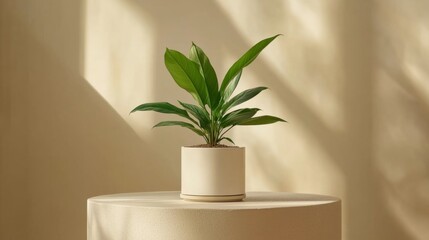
(213, 174)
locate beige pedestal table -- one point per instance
(261, 215)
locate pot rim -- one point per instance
(207, 148)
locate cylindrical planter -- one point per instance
(213, 174)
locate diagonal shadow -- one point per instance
(74, 144)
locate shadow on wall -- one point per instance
(72, 145)
(384, 160)
(402, 111)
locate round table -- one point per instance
(261, 215)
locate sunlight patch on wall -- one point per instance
(304, 60)
(416, 67)
(118, 56)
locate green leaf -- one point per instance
(226, 138)
(244, 61)
(199, 113)
(187, 75)
(242, 97)
(231, 87)
(237, 116)
(181, 124)
(161, 107)
(261, 120)
(197, 55)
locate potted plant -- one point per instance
(211, 171)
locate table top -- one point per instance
(253, 200)
(261, 215)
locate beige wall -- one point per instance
(350, 76)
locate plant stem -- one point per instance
(211, 129)
(226, 131)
